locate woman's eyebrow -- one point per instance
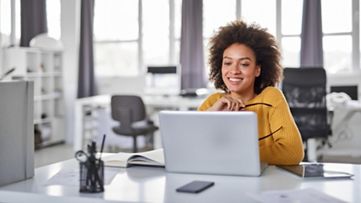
(242, 58)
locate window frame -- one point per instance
(140, 56)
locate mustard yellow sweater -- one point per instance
(280, 142)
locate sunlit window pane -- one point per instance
(292, 17)
(217, 13)
(206, 56)
(53, 18)
(336, 16)
(17, 22)
(178, 18)
(156, 31)
(116, 20)
(262, 12)
(114, 59)
(5, 22)
(291, 47)
(177, 51)
(337, 51)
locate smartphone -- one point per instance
(195, 186)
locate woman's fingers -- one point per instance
(227, 103)
(233, 104)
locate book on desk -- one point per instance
(154, 158)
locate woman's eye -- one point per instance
(245, 64)
(227, 63)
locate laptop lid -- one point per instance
(210, 142)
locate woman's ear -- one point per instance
(258, 70)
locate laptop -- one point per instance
(223, 143)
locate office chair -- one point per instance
(130, 111)
(305, 91)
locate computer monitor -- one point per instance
(163, 79)
(351, 90)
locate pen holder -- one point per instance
(91, 176)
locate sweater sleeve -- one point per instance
(209, 101)
(287, 147)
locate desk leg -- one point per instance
(311, 149)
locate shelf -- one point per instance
(44, 68)
(47, 97)
(42, 121)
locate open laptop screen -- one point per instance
(210, 142)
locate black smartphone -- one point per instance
(195, 186)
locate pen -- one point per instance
(102, 147)
(7, 73)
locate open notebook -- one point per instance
(154, 158)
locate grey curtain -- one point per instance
(33, 20)
(191, 47)
(86, 78)
(311, 36)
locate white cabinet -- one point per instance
(44, 67)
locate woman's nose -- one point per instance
(235, 68)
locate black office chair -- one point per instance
(130, 111)
(305, 91)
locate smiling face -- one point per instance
(239, 70)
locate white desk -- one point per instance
(142, 184)
(346, 136)
(342, 116)
(153, 102)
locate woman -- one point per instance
(245, 64)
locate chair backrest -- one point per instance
(305, 91)
(127, 109)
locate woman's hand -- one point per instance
(227, 103)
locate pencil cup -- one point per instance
(91, 176)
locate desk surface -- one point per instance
(142, 184)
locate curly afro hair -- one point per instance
(262, 43)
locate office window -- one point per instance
(337, 38)
(216, 14)
(337, 15)
(53, 21)
(175, 46)
(291, 20)
(337, 53)
(156, 31)
(291, 25)
(124, 45)
(291, 47)
(262, 12)
(53, 17)
(116, 37)
(5, 22)
(126, 52)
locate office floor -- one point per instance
(53, 154)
